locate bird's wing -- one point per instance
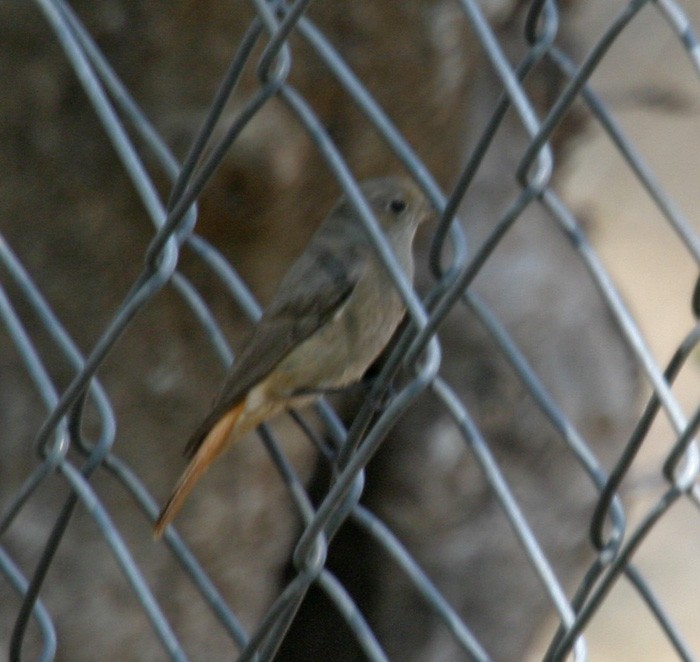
(310, 294)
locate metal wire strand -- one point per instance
(269, 49)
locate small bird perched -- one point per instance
(332, 315)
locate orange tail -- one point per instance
(212, 446)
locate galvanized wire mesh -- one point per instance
(454, 263)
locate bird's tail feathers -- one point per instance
(210, 448)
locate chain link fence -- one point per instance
(82, 461)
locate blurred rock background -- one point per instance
(71, 214)
(651, 86)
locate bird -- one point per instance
(332, 315)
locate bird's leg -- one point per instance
(381, 398)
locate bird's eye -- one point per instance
(397, 205)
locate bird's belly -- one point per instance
(340, 352)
